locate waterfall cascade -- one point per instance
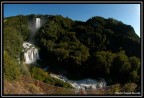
(31, 55)
(30, 52)
(82, 84)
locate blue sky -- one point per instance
(127, 13)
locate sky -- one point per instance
(127, 13)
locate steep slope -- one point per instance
(97, 48)
(89, 49)
(27, 86)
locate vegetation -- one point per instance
(30, 86)
(38, 87)
(122, 89)
(15, 32)
(97, 48)
(38, 73)
(19, 24)
(11, 68)
(92, 48)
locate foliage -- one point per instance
(129, 87)
(122, 61)
(101, 63)
(11, 67)
(60, 44)
(20, 24)
(38, 73)
(134, 77)
(91, 48)
(115, 88)
(12, 42)
(135, 63)
(24, 69)
(123, 68)
(33, 88)
(96, 48)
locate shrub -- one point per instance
(33, 88)
(11, 67)
(41, 75)
(114, 89)
(134, 77)
(129, 87)
(38, 73)
(62, 84)
(24, 69)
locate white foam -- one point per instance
(30, 53)
(82, 84)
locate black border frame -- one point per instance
(72, 2)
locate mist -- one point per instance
(34, 25)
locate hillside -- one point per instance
(29, 86)
(97, 48)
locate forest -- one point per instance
(96, 48)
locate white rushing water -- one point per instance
(34, 25)
(82, 84)
(30, 53)
(38, 23)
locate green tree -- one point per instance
(60, 44)
(20, 24)
(129, 87)
(102, 62)
(134, 77)
(135, 63)
(12, 42)
(38, 73)
(121, 67)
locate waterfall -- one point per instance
(30, 51)
(82, 84)
(34, 25)
(38, 23)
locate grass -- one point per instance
(27, 85)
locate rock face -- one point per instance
(30, 53)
